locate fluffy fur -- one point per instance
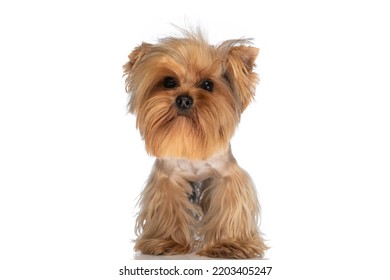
(188, 97)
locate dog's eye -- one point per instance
(207, 85)
(170, 82)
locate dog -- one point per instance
(188, 97)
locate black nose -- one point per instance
(184, 102)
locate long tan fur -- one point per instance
(192, 147)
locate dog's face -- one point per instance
(188, 96)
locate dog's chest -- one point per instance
(197, 171)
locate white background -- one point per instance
(316, 141)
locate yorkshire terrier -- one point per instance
(188, 97)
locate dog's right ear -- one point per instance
(135, 56)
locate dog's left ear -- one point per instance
(239, 72)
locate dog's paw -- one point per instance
(161, 247)
(234, 249)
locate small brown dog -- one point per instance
(188, 97)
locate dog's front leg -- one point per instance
(229, 226)
(166, 220)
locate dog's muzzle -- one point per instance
(184, 102)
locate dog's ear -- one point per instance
(135, 56)
(239, 72)
(134, 59)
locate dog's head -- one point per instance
(187, 95)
